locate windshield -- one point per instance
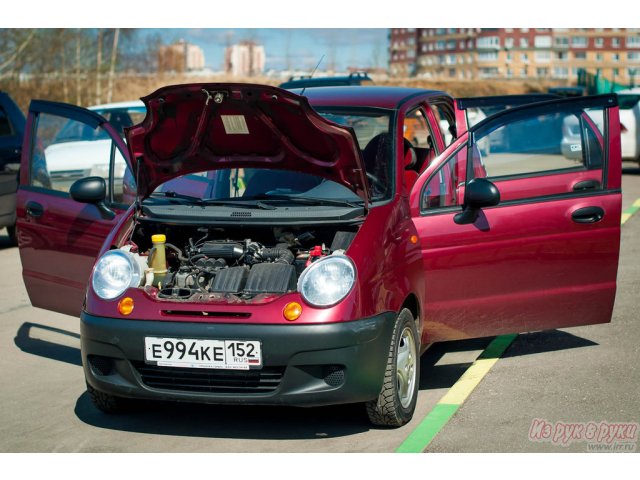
(255, 183)
(371, 128)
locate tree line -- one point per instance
(73, 65)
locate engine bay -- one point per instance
(199, 263)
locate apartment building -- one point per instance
(524, 53)
(245, 59)
(181, 56)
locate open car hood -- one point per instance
(208, 126)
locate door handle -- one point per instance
(586, 185)
(34, 209)
(587, 215)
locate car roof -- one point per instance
(118, 105)
(363, 96)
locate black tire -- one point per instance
(388, 409)
(109, 403)
(11, 231)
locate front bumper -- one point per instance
(303, 365)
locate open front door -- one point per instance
(546, 255)
(58, 237)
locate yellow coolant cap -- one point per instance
(159, 238)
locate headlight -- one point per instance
(114, 273)
(327, 281)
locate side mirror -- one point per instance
(92, 190)
(479, 193)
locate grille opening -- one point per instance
(198, 313)
(264, 380)
(334, 375)
(100, 366)
(240, 214)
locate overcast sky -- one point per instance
(301, 48)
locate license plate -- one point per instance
(193, 353)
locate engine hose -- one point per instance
(278, 255)
(178, 251)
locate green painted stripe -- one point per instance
(439, 415)
(498, 345)
(437, 418)
(626, 215)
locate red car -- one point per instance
(299, 250)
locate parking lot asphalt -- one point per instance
(579, 374)
(574, 375)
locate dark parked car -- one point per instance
(358, 78)
(12, 123)
(300, 250)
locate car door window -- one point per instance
(446, 122)
(416, 129)
(65, 150)
(558, 148)
(443, 187)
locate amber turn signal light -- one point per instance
(125, 306)
(292, 311)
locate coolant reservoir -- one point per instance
(158, 259)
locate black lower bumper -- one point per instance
(303, 365)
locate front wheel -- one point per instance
(396, 403)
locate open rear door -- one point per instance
(546, 255)
(58, 237)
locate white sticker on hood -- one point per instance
(234, 124)
(576, 147)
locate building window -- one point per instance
(616, 72)
(509, 73)
(599, 42)
(470, 44)
(487, 56)
(452, 72)
(508, 42)
(490, 72)
(579, 42)
(451, 45)
(509, 57)
(524, 43)
(580, 55)
(562, 56)
(542, 41)
(462, 45)
(561, 42)
(542, 72)
(560, 72)
(488, 42)
(440, 45)
(523, 72)
(615, 57)
(633, 56)
(633, 42)
(508, 30)
(451, 59)
(598, 57)
(524, 57)
(543, 56)
(524, 30)
(615, 42)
